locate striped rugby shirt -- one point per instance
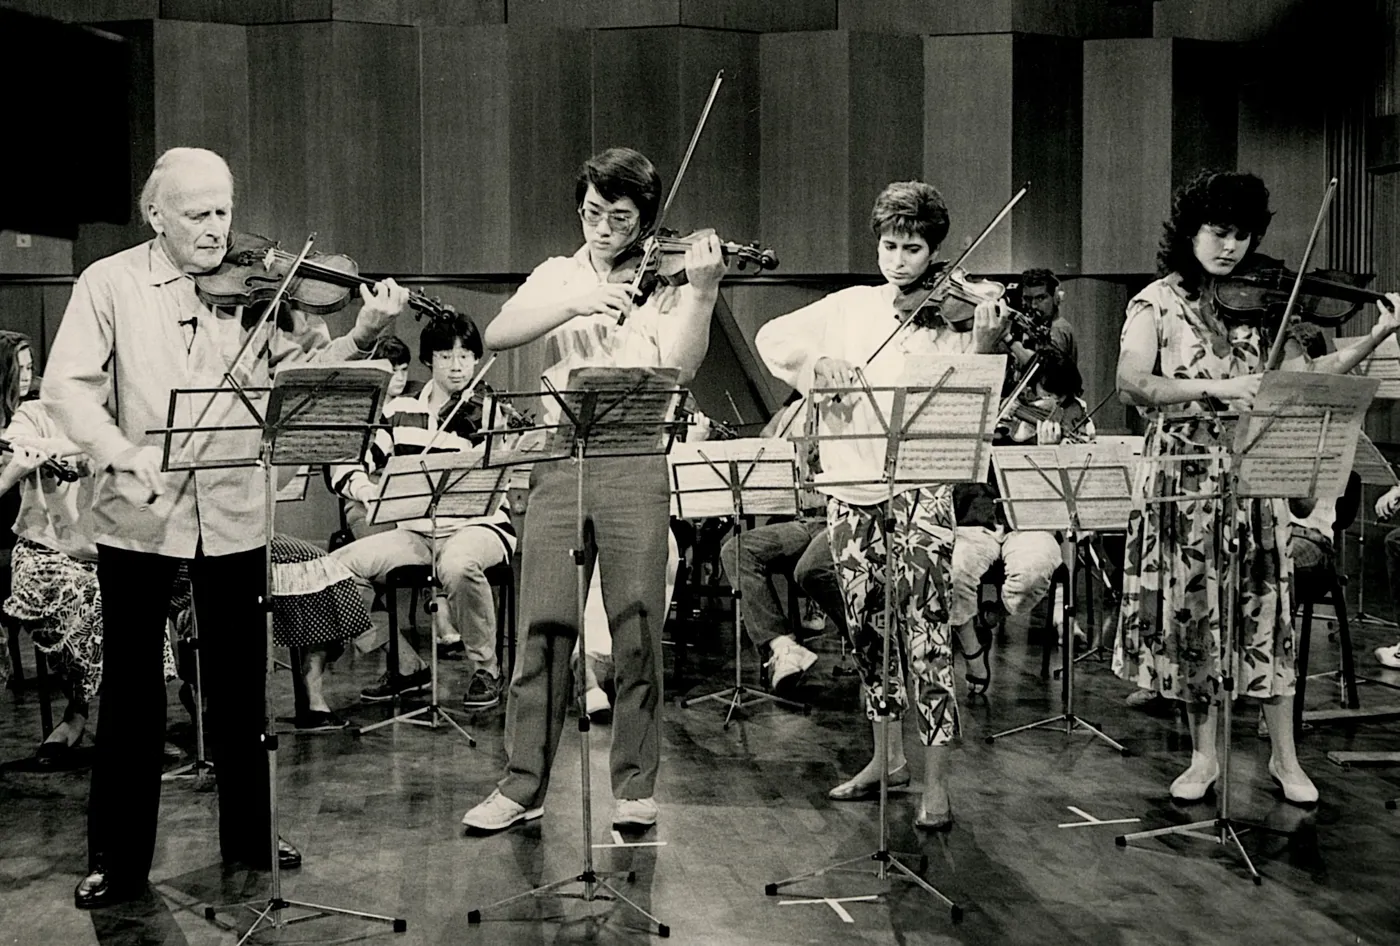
(412, 423)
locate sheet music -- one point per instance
(1383, 365)
(634, 408)
(409, 482)
(294, 489)
(942, 440)
(1371, 465)
(1281, 436)
(1100, 477)
(767, 469)
(321, 411)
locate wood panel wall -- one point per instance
(506, 126)
(336, 149)
(747, 15)
(834, 133)
(1156, 111)
(676, 67)
(1019, 121)
(1078, 18)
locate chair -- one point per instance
(419, 578)
(1325, 584)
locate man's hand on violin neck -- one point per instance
(382, 305)
(705, 263)
(1390, 313)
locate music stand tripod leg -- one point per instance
(885, 860)
(1071, 721)
(590, 880)
(271, 913)
(200, 768)
(739, 696)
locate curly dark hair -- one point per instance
(1219, 198)
(1040, 277)
(911, 207)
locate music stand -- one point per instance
(1374, 470)
(605, 412)
(199, 770)
(738, 478)
(1296, 443)
(943, 406)
(1070, 488)
(314, 414)
(425, 486)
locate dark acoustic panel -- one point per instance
(1082, 19)
(834, 133)
(762, 16)
(336, 149)
(1156, 111)
(388, 12)
(677, 66)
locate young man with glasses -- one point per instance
(466, 547)
(569, 302)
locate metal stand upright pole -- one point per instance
(270, 913)
(594, 884)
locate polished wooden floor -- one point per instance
(378, 820)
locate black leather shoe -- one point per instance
(98, 889)
(288, 858)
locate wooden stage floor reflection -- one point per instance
(378, 819)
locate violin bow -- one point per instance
(947, 273)
(1276, 350)
(651, 245)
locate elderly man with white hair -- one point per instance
(135, 329)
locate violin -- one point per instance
(663, 255)
(1261, 285)
(949, 294)
(59, 469)
(255, 266)
(1072, 418)
(469, 422)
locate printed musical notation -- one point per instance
(321, 411)
(1383, 365)
(947, 438)
(1087, 486)
(1371, 465)
(1299, 439)
(409, 483)
(703, 476)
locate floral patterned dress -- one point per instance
(1172, 616)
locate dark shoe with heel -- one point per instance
(101, 889)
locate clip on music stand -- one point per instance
(314, 415)
(1070, 488)
(605, 412)
(934, 431)
(746, 477)
(1287, 448)
(426, 486)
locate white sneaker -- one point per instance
(635, 813)
(1388, 656)
(788, 662)
(498, 812)
(596, 703)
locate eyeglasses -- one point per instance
(447, 357)
(617, 219)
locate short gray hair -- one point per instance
(177, 159)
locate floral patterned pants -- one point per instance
(922, 535)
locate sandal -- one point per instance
(979, 683)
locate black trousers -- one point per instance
(124, 802)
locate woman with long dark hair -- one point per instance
(1180, 355)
